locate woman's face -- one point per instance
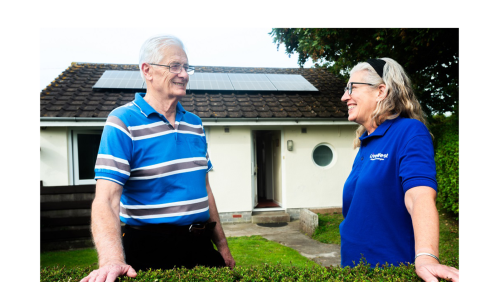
(362, 102)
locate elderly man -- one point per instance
(152, 174)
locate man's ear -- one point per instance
(146, 70)
(382, 92)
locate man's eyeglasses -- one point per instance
(177, 68)
(349, 86)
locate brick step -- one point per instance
(270, 217)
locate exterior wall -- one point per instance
(303, 183)
(54, 167)
(307, 184)
(230, 179)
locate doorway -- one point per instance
(268, 169)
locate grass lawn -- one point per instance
(256, 250)
(329, 232)
(247, 251)
(70, 259)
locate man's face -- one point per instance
(171, 84)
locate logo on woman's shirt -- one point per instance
(379, 157)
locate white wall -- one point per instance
(230, 178)
(54, 170)
(304, 184)
(308, 185)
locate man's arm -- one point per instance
(218, 234)
(106, 231)
(420, 203)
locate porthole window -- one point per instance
(322, 155)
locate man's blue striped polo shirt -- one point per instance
(162, 169)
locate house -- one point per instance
(278, 138)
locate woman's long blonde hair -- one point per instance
(400, 99)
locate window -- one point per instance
(85, 149)
(322, 155)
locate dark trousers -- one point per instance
(146, 249)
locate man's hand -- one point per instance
(106, 231)
(429, 270)
(229, 260)
(110, 272)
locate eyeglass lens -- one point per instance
(348, 88)
(177, 68)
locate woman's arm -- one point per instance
(420, 203)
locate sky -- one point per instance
(230, 47)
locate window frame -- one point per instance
(74, 165)
(334, 158)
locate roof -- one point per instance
(71, 95)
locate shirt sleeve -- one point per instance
(210, 165)
(417, 163)
(113, 159)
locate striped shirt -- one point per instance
(162, 168)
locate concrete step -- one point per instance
(270, 217)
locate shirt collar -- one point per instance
(146, 109)
(380, 130)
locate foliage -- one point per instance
(449, 239)
(263, 272)
(446, 143)
(429, 56)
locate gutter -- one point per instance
(72, 121)
(100, 121)
(274, 121)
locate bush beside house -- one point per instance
(446, 143)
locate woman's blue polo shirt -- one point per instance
(396, 157)
(161, 167)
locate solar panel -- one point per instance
(293, 82)
(117, 79)
(244, 81)
(120, 80)
(209, 81)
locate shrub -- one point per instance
(264, 272)
(446, 143)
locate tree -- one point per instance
(429, 56)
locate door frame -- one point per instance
(254, 169)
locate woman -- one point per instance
(389, 196)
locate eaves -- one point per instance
(92, 122)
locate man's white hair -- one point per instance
(153, 49)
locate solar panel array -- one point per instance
(209, 81)
(244, 81)
(213, 81)
(115, 79)
(294, 82)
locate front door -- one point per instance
(267, 152)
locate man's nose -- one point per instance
(345, 96)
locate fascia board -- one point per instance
(100, 122)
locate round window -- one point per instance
(323, 155)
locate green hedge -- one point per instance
(266, 272)
(446, 142)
